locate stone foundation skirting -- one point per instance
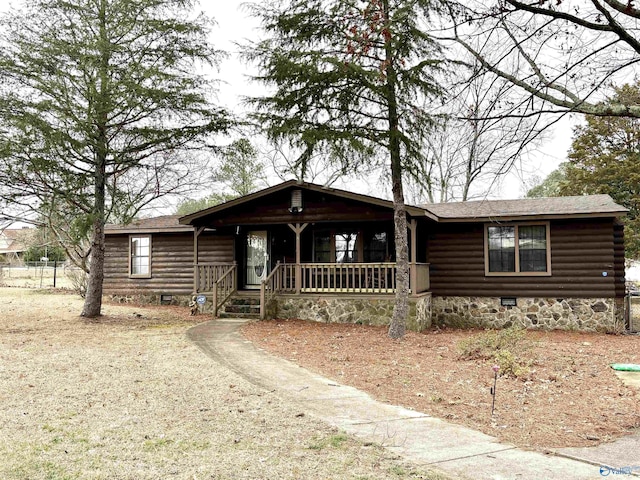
(579, 314)
(585, 314)
(155, 299)
(359, 309)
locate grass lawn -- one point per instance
(129, 397)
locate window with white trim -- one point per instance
(517, 249)
(140, 256)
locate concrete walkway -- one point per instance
(418, 437)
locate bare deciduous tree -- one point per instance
(475, 145)
(563, 54)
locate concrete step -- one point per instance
(244, 300)
(254, 316)
(241, 308)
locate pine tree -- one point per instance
(97, 96)
(351, 79)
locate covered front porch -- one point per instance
(304, 240)
(221, 280)
(253, 269)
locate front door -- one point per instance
(257, 260)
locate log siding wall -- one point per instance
(581, 250)
(171, 262)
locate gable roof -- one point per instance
(472, 211)
(527, 208)
(11, 240)
(411, 210)
(165, 223)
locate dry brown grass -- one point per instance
(129, 397)
(35, 277)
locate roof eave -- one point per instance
(130, 230)
(187, 219)
(526, 217)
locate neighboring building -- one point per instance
(12, 246)
(327, 254)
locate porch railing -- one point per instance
(280, 280)
(223, 288)
(374, 278)
(219, 279)
(348, 277)
(207, 274)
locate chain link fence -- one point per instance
(39, 275)
(633, 311)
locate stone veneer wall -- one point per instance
(351, 309)
(586, 314)
(152, 299)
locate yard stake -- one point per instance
(496, 369)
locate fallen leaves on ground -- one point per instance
(569, 397)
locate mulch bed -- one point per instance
(569, 397)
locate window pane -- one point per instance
(140, 255)
(346, 251)
(375, 250)
(533, 260)
(532, 246)
(321, 247)
(502, 252)
(502, 260)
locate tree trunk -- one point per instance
(401, 308)
(93, 300)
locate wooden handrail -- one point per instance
(266, 286)
(349, 277)
(227, 285)
(206, 274)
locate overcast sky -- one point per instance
(234, 25)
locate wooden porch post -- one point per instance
(297, 229)
(413, 271)
(196, 271)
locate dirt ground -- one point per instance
(569, 397)
(127, 396)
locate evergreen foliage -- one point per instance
(353, 80)
(605, 158)
(551, 185)
(98, 99)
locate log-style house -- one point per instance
(305, 251)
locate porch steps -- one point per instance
(241, 306)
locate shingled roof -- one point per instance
(558, 207)
(473, 211)
(165, 223)
(11, 240)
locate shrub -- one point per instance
(79, 279)
(507, 348)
